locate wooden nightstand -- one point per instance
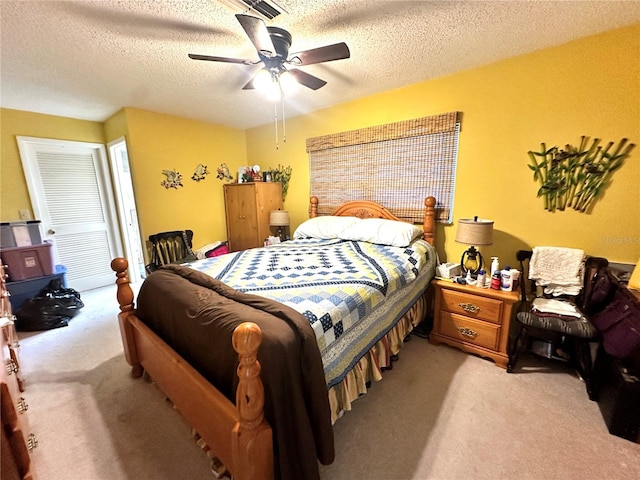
(472, 319)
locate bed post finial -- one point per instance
(125, 299)
(251, 435)
(124, 294)
(429, 220)
(313, 212)
(247, 338)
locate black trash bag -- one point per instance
(52, 307)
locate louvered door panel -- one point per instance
(81, 203)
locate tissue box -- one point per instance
(448, 270)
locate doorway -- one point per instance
(127, 212)
(71, 194)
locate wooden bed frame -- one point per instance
(238, 435)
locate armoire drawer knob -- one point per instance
(23, 406)
(32, 442)
(11, 367)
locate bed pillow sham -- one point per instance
(382, 231)
(325, 227)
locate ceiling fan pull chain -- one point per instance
(275, 121)
(284, 125)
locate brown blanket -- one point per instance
(196, 315)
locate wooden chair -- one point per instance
(569, 338)
(170, 247)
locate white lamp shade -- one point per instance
(279, 218)
(474, 231)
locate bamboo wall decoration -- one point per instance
(576, 176)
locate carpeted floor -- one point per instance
(439, 414)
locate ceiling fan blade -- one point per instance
(249, 85)
(257, 32)
(337, 51)
(306, 79)
(219, 59)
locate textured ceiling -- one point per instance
(88, 59)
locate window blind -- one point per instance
(396, 165)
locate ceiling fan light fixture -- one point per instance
(273, 92)
(271, 88)
(273, 84)
(288, 83)
(262, 80)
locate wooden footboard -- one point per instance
(238, 435)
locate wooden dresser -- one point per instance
(17, 439)
(247, 208)
(475, 320)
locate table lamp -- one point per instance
(473, 231)
(279, 219)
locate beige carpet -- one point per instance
(456, 417)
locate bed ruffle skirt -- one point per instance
(375, 361)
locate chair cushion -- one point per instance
(577, 327)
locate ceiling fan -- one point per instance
(272, 45)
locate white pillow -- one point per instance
(383, 231)
(324, 227)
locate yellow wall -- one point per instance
(157, 142)
(14, 195)
(587, 87)
(116, 126)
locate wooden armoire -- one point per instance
(247, 207)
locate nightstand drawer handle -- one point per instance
(469, 307)
(467, 332)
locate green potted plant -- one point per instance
(283, 175)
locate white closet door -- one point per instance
(71, 194)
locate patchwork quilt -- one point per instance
(352, 293)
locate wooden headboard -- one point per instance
(367, 209)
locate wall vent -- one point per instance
(266, 10)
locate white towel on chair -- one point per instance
(549, 305)
(559, 269)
